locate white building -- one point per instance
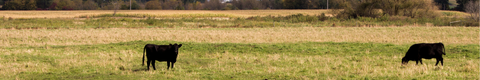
(223, 1)
(226, 1)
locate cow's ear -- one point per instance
(179, 45)
(170, 44)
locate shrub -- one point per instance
(295, 18)
(13, 5)
(180, 8)
(375, 8)
(322, 17)
(150, 21)
(135, 5)
(472, 8)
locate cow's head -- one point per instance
(404, 61)
(175, 47)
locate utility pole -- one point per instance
(130, 4)
(327, 4)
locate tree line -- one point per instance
(193, 4)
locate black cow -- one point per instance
(425, 50)
(154, 52)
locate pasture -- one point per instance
(238, 53)
(230, 44)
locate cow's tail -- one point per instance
(143, 59)
(444, 53)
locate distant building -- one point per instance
(227, 1)
(222, 1)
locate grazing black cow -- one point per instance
(424, 50)
(154, 52)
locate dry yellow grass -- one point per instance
(72, 14)
(454, 13)
(394, 35)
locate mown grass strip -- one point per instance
(223, 21)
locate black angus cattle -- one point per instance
(154, 52)
(424, 50)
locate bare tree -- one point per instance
(90, 5)
(172, 4)
(116, 6)
(251, 4)
(78, 4)
(369, 8)
(153, 5)
(214, 5)
(472, 8)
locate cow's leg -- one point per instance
(173, 64)
(153, 65)
(442, 61)
(438, 60)
(417, 62)
(421, 61)
(168, 65)
(148, 64)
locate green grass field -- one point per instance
(238, 53)
(303, 60)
